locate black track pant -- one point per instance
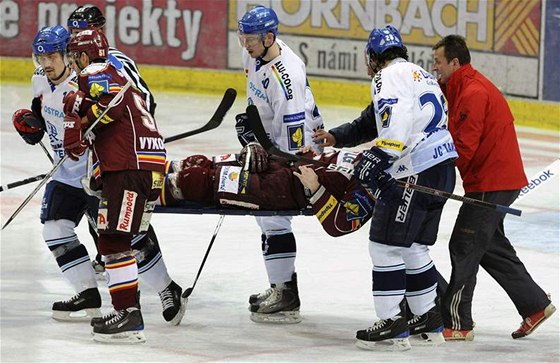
(478, 239)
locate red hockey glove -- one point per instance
(254, 157)
(196, 160)
(76, 102)
(28, 126)
(74, 146)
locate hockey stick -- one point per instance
(22, 182)
(260, 134)
(118, 97)
(189, 290)
(215, 120)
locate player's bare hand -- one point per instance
(307, 149)
(323, 138)
(308, 178)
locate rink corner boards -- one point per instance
(531, 113)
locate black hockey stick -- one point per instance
(215, 120)
(189, 290)
(257, 127)
(22, 182)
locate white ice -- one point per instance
(334, 273)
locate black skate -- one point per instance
(173, 304)
(80, 307)
(101, 319)
(427, 328)
(385, 334)
(126, 327)
(279, 304)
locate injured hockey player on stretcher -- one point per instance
(268, 182)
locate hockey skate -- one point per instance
(126, 327)
(277, 305)
(80, 307)
(102, 319)
(530, 323)
(173, 304)
(385, 334)
(426, 329)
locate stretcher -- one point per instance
(194, 208)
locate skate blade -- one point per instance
(76, 316)
(129, 337)
(427, 339)
(282, 317)
(179, 316)
(388, 345)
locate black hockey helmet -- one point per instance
(86, 17)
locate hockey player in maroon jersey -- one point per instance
(338, 200)
(129, 161)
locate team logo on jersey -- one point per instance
(386, 117)
(97, 88)
(283, 79)
(416, 76)
(355, 209)
(295, 135)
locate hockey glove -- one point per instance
(244, 132)
(74, 146)
(254, 158)
(29, 127)
(371, 173)
(76, 102)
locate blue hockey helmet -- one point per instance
(259, 20)
(51, 39)
(381, 39)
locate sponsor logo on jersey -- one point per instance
(229, 179)
(224, 158)
(53, 111)
(283, 79)
(402, 212)
(326, 209)
(401, 169)
(257, 92)
(390, 144)
(151, 143)
(295, 136)
(377, 81)
(293, 117)
(126, 214)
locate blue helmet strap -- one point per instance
(264, 45)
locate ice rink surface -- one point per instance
(334, 274)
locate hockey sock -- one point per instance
(122, 279)
(71, 256)
(279, 253)
(151, 266)
(389, 279)
(421, 279)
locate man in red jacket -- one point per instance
(481, 124)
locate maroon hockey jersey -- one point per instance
(126, 138)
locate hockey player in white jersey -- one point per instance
(151, 267)
(64, 202)
(413, 145)
(277, 85)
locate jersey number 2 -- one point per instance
(440, 109)
(147, 118)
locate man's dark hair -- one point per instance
(392, 53)
(455, 46)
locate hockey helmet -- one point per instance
(259, 20)
(86, 17)
(51, 39)
(381, 39)
(90, 41)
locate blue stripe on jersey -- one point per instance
(386, 101)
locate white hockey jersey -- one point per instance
(280, 91)
(411, 117)
(70, 172)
